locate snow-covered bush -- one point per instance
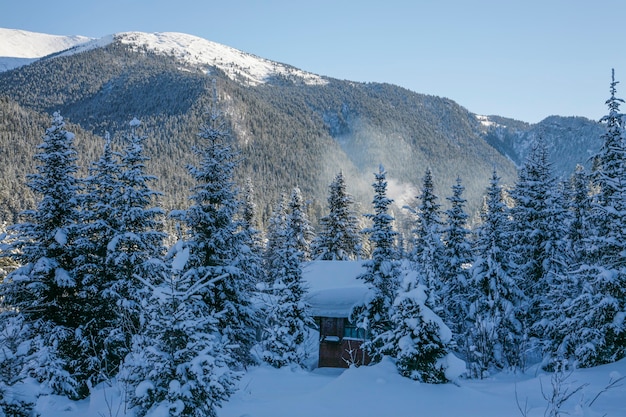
(12, 357)
(419, 340)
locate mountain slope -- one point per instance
(570, 140)
(293, 128)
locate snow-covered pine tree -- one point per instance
(249, 206)
(42, 292)
(579, 205)
(287, 315)
(565, 295)
(418, 340)
(497, 331)
(456, 278)
(252, 245)
(539, 239)
(428, 249)
(382, 271)
(275, 235)
(136, 241)
(179, 364)
(119, 235)
(595, 323)
(249, 220)
(97, 227)
(215, 239)
(339, 238)
(298, 226)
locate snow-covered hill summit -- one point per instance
(21, 48)
(200, 52)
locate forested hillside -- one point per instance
(21, 130)
(289, 133)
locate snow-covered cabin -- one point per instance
(333, 289)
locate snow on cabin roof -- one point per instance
(333, 287)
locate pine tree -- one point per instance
(276, 235)
(179, 364)
(382, 272)
(217, 244)
(298, 225)
(565, 293)
(579, 206)
(497, 331)
(287, 312)
(428, 248)
(43, 294)
(539, 237)
(252, 248)
(339, 237)
(594, 328)
(455, 268)
(96, 229)
(120, 237)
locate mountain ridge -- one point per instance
(20, 47)
(189, 49)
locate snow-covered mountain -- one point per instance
(20, 47)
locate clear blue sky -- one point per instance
(525, 59)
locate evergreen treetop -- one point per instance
(339, 237)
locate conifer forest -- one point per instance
(100, 281)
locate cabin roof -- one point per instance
(333, 287)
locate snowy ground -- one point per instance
(378, 391)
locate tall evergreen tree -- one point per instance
(43, 293)
(215, 239)
(594, 328)
(339, 237)
(252, 256)
(456, 276)
(539, 237)
(120, 237)
(428, 248)
(298, 226)
(497, 331)
(565, 287)
(276, 235)
(287, 313)
(382, 271)
(97, 227)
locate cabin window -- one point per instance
(350, 331)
